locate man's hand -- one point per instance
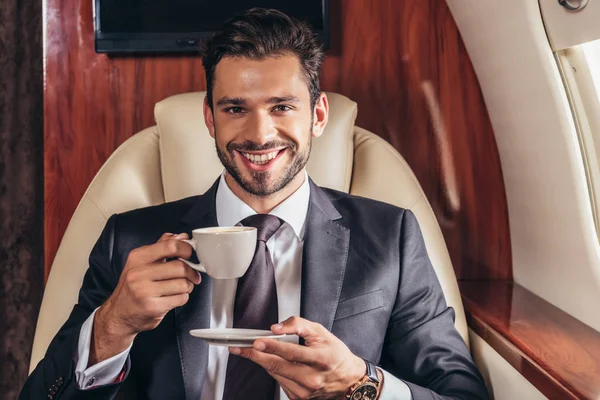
(325, 368)
(149, 287)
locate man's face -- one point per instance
(262, 121)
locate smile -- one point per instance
(261, 159)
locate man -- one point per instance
(349, 276)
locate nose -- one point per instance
(261, 128)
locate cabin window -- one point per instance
(580, 69)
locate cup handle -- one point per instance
(197, 267)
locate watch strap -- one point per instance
(371, 371)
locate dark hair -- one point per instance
(259, 33)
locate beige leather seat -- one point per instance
(177, 158)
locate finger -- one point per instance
(163, 249)
(166, 236)
(170, 302)
(291, 388)
(172, 270)
(301, 327)
(289, 351)
(301, 379)
(172, 287)
(274, 364)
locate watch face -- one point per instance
(365, 392)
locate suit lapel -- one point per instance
(324, 259)
(195, 314)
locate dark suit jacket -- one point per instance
(366, 277)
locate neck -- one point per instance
(265, 204)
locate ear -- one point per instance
(209, 118)
(320, 115)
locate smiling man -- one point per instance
(350, 277)
(263, 124)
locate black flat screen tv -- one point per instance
(179, 26)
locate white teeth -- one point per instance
(261, 159)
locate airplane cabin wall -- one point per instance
(403, 62)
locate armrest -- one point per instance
(557, 353)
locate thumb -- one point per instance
(301, 327)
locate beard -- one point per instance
(263, 183)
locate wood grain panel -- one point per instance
(92, 104)
(405, 64)
(402, 61)
(554, 351)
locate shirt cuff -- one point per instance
(394, 388)
(103, 373)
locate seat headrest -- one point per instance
(189, 162)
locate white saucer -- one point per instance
(233, 337)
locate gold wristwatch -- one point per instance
(368, 387)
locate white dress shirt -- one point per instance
(285, 247)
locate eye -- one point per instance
(282, 108)
(234, 110)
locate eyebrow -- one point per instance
(228, 101)
(239, 101)
(284, 99)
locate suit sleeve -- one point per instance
(54, 376)
(422, 346)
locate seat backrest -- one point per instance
(176, 159)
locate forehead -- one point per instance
(243, 77)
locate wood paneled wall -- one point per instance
(402, 61)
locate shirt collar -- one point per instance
(231, 209)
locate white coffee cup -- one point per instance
(223, 252)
